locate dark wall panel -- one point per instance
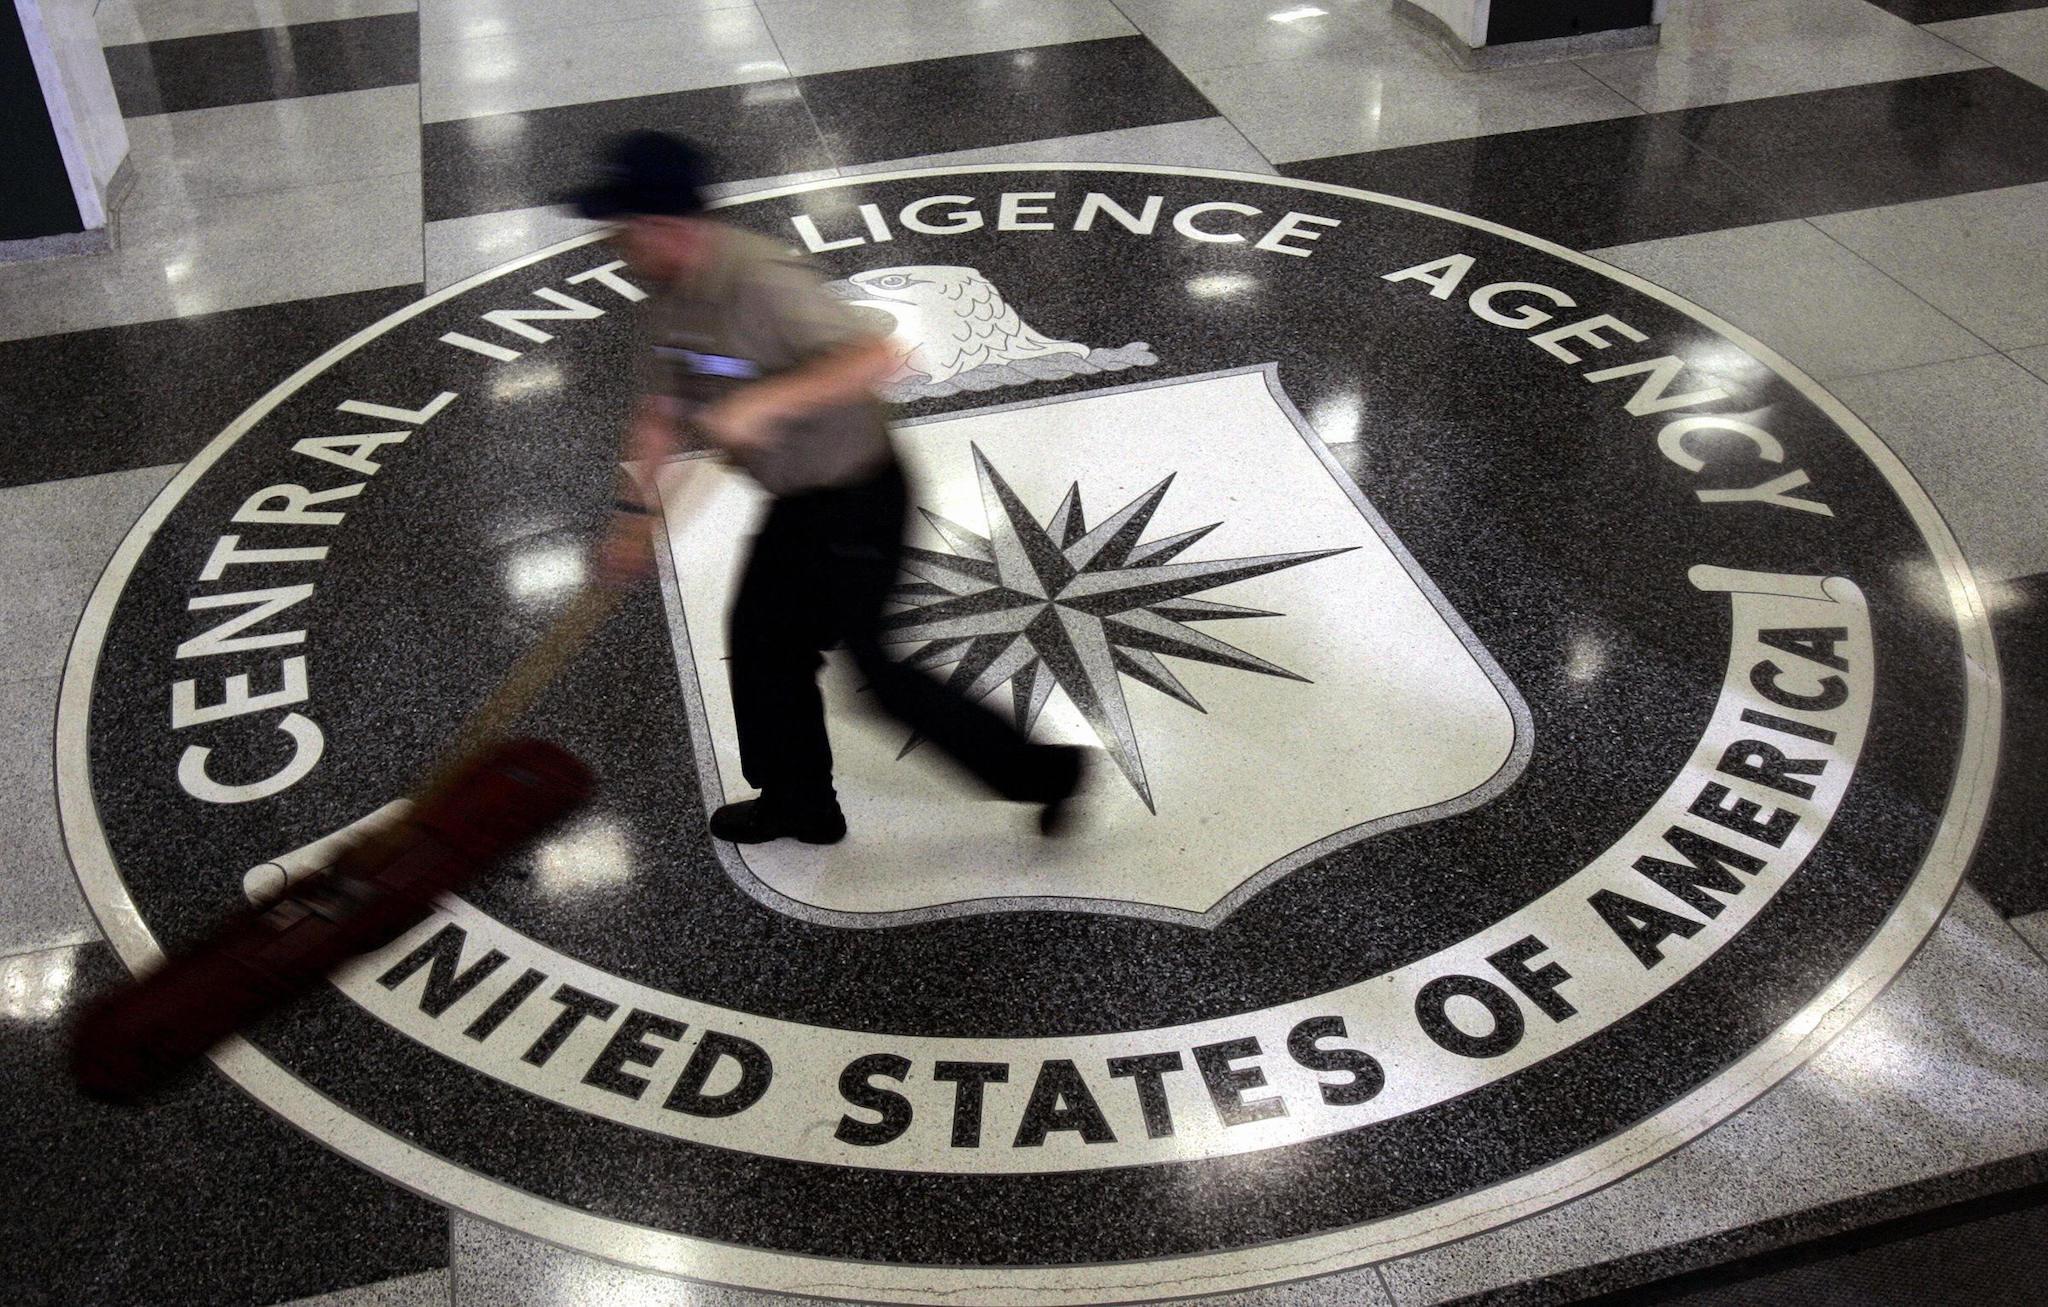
(36, 197)
(1543, 20)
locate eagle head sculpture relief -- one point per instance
(958, 333)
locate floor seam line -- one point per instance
(93, 936)
(2026, 940)
(1881, 372)
(1853, 253)
(1379, 1273)
(454, 1295)
(419, 89)
(1916, 367)
(1598, 80)
(1946, 38)
(796, 80)
(1249, 144)
(1189, 74)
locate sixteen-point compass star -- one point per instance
(1060, 604)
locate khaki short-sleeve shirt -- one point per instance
(756, 309)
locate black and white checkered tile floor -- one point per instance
(1859, 185)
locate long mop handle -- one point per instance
(537, 668)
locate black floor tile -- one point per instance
(225, 1209)
(517, 160)
(2012, 860)
(1990, 1252)
(267, 63)
(1745, 1254)
(1585, 186)
(116, 398)
(37, 1098)
(1886, 143)
(767, 129)
(971, 102)
(1594, 184)
(1935, 11)
(203, 1199)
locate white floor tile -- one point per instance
(2033, 360)
(274, 145)
(42, 604)
(469, 20)
(1800, 293)
(225, 252)
(1717, 51)
(41, 594)
(40, 904)
(1975, 434)
(1201, 34)
(822, 36)
(55, 538)
(123, 22)
(1360, 1288)
(1205, 143)
(2017, 41)
(1347, 101)
(1982, 257)
(1949, 1068)
(547, 66)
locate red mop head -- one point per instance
(134, 1039)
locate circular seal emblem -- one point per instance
(1532, 719)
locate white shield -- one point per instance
(1316, 692)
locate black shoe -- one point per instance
(1064, 766)
(756, 821)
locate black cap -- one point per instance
(645, 172)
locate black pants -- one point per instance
(820, 572)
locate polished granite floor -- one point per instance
(1569, 676)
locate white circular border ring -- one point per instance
(406, 1164)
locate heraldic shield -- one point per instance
(1178, 574)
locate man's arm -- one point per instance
(751, 415)
(626, 553)
(745, 419)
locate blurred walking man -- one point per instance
(746, 352)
